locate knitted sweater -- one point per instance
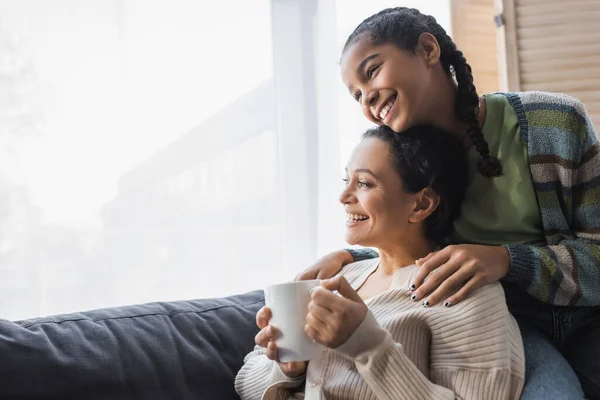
(564, 159)
(402, 350)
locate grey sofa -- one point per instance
(172, 350)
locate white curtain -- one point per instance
(156, 150)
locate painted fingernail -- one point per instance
(447, 304)
(414, 297)
(412, 286)
(426, 304)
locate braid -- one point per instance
(467, 102)
(403, 26)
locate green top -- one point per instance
(563, 152)
(502, 210)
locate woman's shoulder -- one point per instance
(493, 290)
(488, 297)
(360, 265)
(483, 313)
(355, 271)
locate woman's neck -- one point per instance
(395, 257)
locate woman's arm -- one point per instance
(384, 366)
(391, 374)
(470, 350)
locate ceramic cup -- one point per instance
(289, 306)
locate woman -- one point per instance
(531, 216)
(403, 192)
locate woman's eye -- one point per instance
(363, 184)
(357, 96)
(346, 181)
(371, 71)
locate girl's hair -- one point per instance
(427, 156)
(402, 26)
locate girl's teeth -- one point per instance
(386, 109)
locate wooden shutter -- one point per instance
(474, 32)
(554, 46)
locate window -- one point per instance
(140, 149)
(159, 150)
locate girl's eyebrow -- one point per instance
(365, 61)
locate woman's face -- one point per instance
(393, 87)
(378, 210)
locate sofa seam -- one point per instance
(169, 314)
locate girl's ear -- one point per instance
(428, 46)
(426, 201)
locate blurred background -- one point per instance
(160, 150)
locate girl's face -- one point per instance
(378, 209)
(393, 87)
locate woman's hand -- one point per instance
(266, 338)
(332, 318)
(327, 267)
(454, 272)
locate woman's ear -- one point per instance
(426, 201)
(429, 47)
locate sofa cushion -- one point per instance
(170, 350)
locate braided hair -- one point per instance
(402, 27)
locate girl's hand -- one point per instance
(327, 266)
(454, 272)
(333, 318)
(266, 338)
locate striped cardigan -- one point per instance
(564, 159)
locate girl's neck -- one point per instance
(443, 110)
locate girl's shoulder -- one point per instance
(556, 121)
(545, 101)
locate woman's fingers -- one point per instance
(265, 335)
(291, 368)
(272, 351)
(315, 327)
(316, 321)
(263, 316)
(320, 312)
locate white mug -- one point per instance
(289, 306)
